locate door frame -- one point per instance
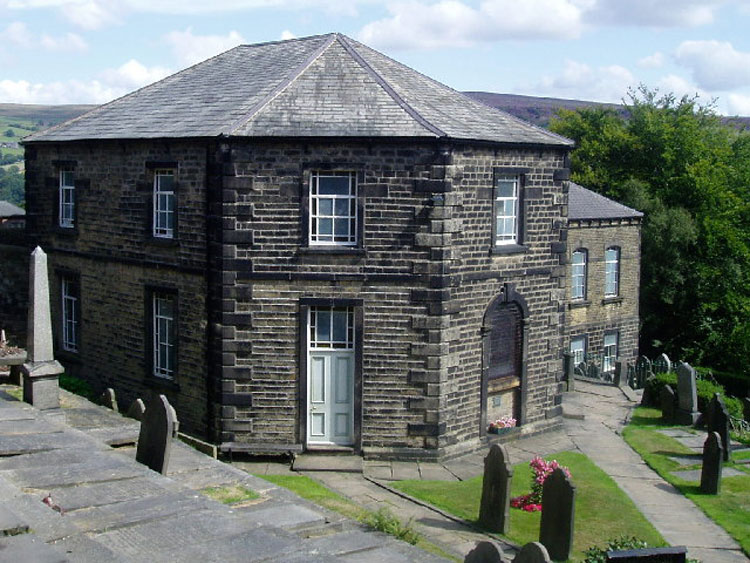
(302, 405)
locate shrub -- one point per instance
(705, 390)
(599, 554)
(77, 386)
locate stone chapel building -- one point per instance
(307, 245)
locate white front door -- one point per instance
(330, 398)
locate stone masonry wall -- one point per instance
(596, 315)
(112, 253)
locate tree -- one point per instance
(9, 133)
(673, 159)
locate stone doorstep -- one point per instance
(328, 462)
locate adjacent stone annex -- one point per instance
(307, 245)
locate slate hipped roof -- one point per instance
(320, 86)
(585, 205)
(7, 209)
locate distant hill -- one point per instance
(539, 111)
(43, 115)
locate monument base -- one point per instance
(40, 384)
(687, 418)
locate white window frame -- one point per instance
(609, 351)
(335, 216)
(163, 318)
(330, 343)
(578, 271)
(508, 233)
(70, 322)
(164, 208)
(66, 195)
(578, 349)
(612, 271)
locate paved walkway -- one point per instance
(118, 510)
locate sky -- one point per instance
(92, 51)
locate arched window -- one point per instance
(612, 272)
(578, 274)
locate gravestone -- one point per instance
(713, 458)
(569, 371)
(136, 410)
(494, 510)
(558, 515)
(718, 421)
(648, 399)
(485, 552)
(667, 401)
(108, 399)
(40, 372)
(621, 373)
(533, 552)
(746, 408)
(676, 554)
(687, 395)
(643, 365)
(155, 437)
(662, 364)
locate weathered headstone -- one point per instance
(713, 462)
(136, 409)
(108, 399)
(662, 364)
(648, 398)
(155, 437)
(485, 552)
(718, 421)
(667, 401)
(676, 554)
(643, 364)
(746, 408)
(621, 373)
(558, 515)
(533, 552)
(40, 372)
(687, 395)
(494, 510)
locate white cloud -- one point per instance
(738, 104)
(67, 42)
(678, 86)
(110, 84)
(452, 23)
(190, 48)
(653, 13)
(19, 35)
(583, 82)
(716, 65)
(92, 14)
(286, 34)
(655, 60)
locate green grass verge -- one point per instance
(381, 520)
(230, 494)
(730, 509)
(603, 511)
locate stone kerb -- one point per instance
(41, 370)
(718, 421)
(494, 509)
(713, 458)
(558, 515)
(156, 434)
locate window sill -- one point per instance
(503, 384)
(578, 304)
(503, 249)
(613, 299)
(162, 384)
(333, 250)
(162, 242)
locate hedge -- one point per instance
(705, 389)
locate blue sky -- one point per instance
(91, 51)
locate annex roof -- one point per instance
(7, 209)
(319, 86)
(585, 205)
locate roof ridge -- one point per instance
(283, 85)
(344, 41)
(128, 95)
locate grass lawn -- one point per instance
(730, 509)
(603, 511)
(317, 493)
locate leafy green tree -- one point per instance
(12, 186)
(674, 159)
